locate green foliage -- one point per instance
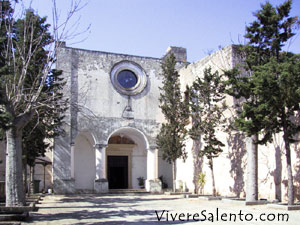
(206, 99)
(278, 86)
(27, 83)
(201, 180)
(6, 11)
(267, 35)
(170, 139)
(34, 144)
(46, 126)
(141, 181)
(269, 32)
(250, 113)
(270, 93)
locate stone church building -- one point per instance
(114, 117)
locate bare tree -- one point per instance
(28, 51)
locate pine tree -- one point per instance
(278, 85)
(170, 140)
(206, 99)
(265, 109)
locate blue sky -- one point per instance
(148, 27)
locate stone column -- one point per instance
(252, 170)
(101, 183)
(153, 184)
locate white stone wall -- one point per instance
(84, 163)
(165, 170)
(230, 166)
(139, 162)
(96, 93)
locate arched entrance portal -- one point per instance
(119, 162)
(84, 165)
(126, 156)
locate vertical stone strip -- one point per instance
(151, 164)
(72, 160)
(100, 152)
(153, 184)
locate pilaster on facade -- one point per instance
(72, 144)
(101, 183)
(153, 184)
(100, 153)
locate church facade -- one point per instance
(111, 124)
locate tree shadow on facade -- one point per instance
(296, 175)
(277, 172)
(236, 154)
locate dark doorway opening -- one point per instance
(117, 172)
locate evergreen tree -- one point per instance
(170, 140)
(248, 120)
(206, 99)
(265, 109)
(33, 145)
(278, 85)
(44, 126)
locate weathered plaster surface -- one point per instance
(97, 107)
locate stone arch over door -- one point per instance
(128, 145)
(83, 161)
(144, 158)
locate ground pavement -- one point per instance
(154, 209)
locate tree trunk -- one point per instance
(174, 175)
(289, 171)
(252, 169)
(14, 178)
(197, 161)
(211, 165)
(278, 172)
(25, 175)
(32, 179)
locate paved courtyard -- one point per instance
(149, 209)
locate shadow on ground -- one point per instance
(105, 209)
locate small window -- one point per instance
(127, 79)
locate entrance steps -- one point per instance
(114, 191)
(84, 191)
(128, 191)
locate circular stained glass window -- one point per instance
(127, 79)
